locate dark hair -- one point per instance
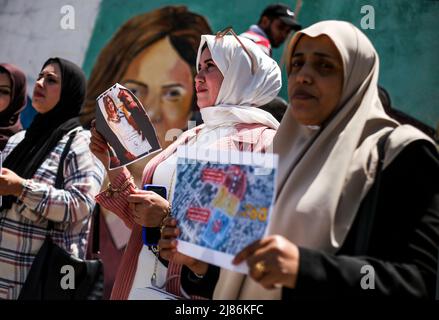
(276, 107)
(400, 116)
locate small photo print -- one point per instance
(122, 120)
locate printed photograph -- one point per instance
(122, 120)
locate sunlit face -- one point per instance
(5, 91)
(47, 90)
(163, 82)
(315, 81)
(208, 80)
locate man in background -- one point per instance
(274, 26)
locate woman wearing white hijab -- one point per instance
(230, 84)
(327, 237)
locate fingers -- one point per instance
(170, 232)
(168, 248)
(132, 206)
(96, 136)
(148, 194)
(168, 242)
(98, 143)
(139, 198)
(170, 222)
(270, 277)
(247, 251)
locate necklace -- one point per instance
(156, 250)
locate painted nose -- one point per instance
(153, 108)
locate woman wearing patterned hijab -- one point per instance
(341, 227)
(29, 172)
(12, 101)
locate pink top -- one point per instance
(249, 137)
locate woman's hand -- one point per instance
(168, 248)
(10, 183)
(148, 208)
(273, 261)
(99, 147)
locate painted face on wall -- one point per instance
(5, 91)
(164, 84)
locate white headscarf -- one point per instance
(324, 174)
(241, 91)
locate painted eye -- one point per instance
(173, 94)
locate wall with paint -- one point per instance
(405, 36)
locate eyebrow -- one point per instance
(171, 85)
(320, 54)
(206, 61)
(136, 82)
(49, 73)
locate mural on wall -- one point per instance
(403, 31)
(153, 55)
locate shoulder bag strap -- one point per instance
(59, 182)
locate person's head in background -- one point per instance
(277, 21)
(401, 116)
(277, 107)
(12, 101)
(153, 55)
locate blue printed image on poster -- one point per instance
(221, 207)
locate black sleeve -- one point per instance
(401, 260)
(204, 286)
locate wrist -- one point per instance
(18, 190)
(113, 191)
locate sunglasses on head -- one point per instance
(227, 30)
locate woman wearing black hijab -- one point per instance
(29, 172)
(12, 101)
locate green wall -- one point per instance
(405, 36)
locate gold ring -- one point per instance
(261, 267)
